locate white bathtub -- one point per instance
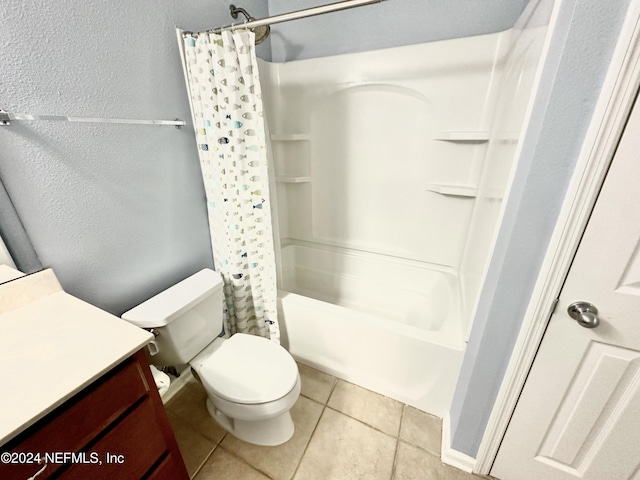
(392, 326)
(377, 158)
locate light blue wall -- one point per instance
(580, 53)
(391, 23)
(118, 211)
(13, 233)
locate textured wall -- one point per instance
(391, 23)
(23, 256)
(118, 211)
(579, 55)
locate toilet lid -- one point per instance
(249, 369)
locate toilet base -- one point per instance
(271, 432)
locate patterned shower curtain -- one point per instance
(224, 90)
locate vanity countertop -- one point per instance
(52, 345)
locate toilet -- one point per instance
(251, 382)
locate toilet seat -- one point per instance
(248, 369)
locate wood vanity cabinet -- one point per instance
(116, 428)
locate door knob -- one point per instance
(585, 313)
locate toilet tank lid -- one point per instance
(163, 308)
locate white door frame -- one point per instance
(607, 124)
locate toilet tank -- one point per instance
(185, 317)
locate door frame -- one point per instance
(610, 116)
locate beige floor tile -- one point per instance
(280, 462)
(195, 448)
(190, 405)
(344, 449)
(421, 429)
(316, 385)
(369, 407)
(413, 463)
(224, 466)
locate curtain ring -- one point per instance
(245, 24)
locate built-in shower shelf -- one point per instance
(452, 190)
(462, 136)
(292, 179)
(290, 137)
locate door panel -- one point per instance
(592, 408)
(579, 414)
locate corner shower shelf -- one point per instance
(462, 136)
(452, 190)
(290, 137)
(292, 179)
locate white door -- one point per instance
(579, 414)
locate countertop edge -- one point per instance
(17, 431)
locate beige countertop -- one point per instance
(52, 345)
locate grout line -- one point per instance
(306, 447)
(333, 389)
(215, 447)
(235, 455)
(206, 459)
(362, 422)
(404, 409)
(314, 400)
(395, 453)
(395, 460)
(193, 432)
(313, 432)
(435, 454)
(335, 385)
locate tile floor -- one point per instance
(343, 432)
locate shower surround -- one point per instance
(390, 170)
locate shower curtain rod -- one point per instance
(6, 117)
(285, 17)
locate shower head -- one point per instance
(261, 33)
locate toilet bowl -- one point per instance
(251, 382)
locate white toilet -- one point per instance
(251, 382)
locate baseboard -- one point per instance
(177, 384)
(453, 457)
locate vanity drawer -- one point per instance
(72, 425)
(118, 414)
(127, 451)
(169, 469)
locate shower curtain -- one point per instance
(224, 90)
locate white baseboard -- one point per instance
(453, 457)
(177, 384)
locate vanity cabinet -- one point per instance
(116, 428)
